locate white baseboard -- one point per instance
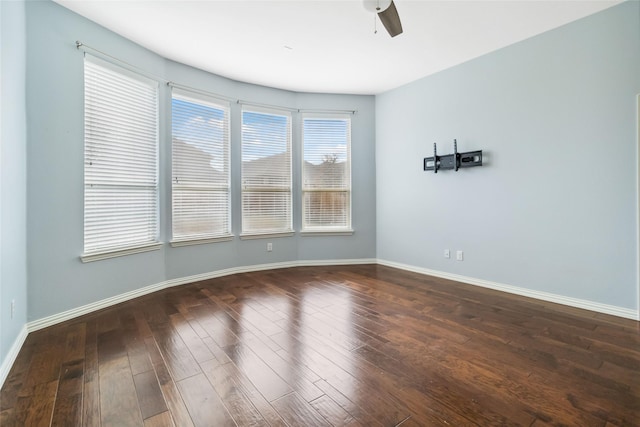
(117, 299)
(544, 296)
(7, 363)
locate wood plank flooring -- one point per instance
(359, 345)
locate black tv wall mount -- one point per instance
(453, 161)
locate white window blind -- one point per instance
(266, 172)
(200, 163)
(326, 173)
(121, 160)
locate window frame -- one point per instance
(305, 229)
(266, 233)
(219, 104)
(91, 179)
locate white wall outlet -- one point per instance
(447, 253)
(269, 247)
(13, 307)
(459, 255)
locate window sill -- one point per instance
(341, 232)
(266, 235)
(120, 252)
(191, 242)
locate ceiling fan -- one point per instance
(387, 13)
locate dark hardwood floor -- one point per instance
(328, 346)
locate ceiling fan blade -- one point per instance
(391, 21)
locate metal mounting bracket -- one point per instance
(453, 161)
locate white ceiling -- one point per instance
(326, 45)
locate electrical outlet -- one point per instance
(13, 307)
(447, 253)
(459, 256)
(269, 247)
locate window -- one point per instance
(266, 172)
(326, 173)
(121, 161)
(200, 164)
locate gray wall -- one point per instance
(58, 281)
(13, 174)
(555, 207)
